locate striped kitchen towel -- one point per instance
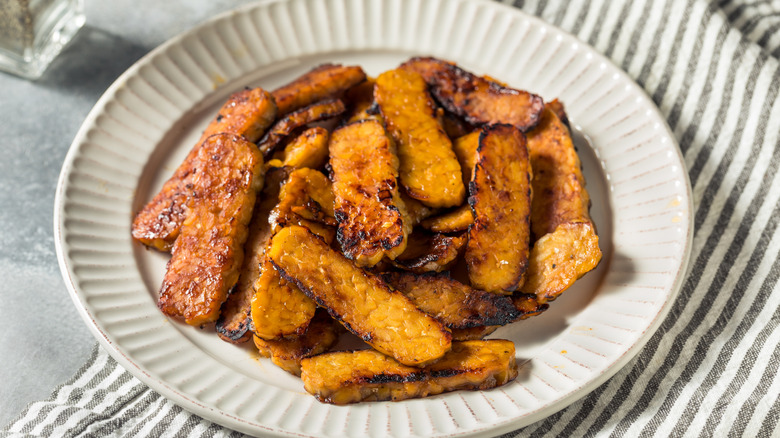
(711, 368)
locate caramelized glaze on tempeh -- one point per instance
(349, 377)
(208, 254)
(247, 113)
(383, 318)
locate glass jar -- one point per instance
(33, 32)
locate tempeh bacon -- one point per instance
(208, 254)
(383, 318)
(366, 375)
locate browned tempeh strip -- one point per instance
(247, 113)
(429, 169)
(287, 353)
(279, 308)
(235, 321)
(567, 246)
(349, 377)
(427, 252)
(383, 318)
(459, 219)
(206, 257)
(306, 199)
(290, 123)
(500, 196)
(323, 82)
(453, 303)
(368, 205)
(478, 100)
(310, 149)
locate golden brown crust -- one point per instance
(566, 244)
(368, 206)
(559, 258)
(430, 252)
(465, 148)
(429, 170)
(208, 254)
(477, 100)
(527, 305)
(310, 149)
(416, 211)
(453, 303)
(248, 113)
(453, 221)
(235, 321)
(306, 199)
(324, 82)
(287, 353)
(383, 318)
(558, 181)
(500, 196)
(290, 124)
(279, 308)
(349, 377)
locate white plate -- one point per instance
(146, 122)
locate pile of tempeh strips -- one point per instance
(419, 210)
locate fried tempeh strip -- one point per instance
(430, 253)
(208, 254)
(349, 377)
(453, 303)
(459, 219)
(248, 113)
(235, 321)
(429, 169)
(478, 100)
(368, 205)
(567, 245)
(527, 305)
(306, 199)
(287, 353)
(323, 82)
(500, 188)
(465, 148)
(558, 178)
(310, 149)
(279, 308)
(290, 123)
(559, 258)
(416, 211)
(363, 303)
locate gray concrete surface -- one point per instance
(43, 340)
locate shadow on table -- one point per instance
(91, 62)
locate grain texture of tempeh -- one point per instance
(209, 252)
(478, 100)
(383, 318)
(500, 196)
(287, 353)
(429, 169)
(567, 246)
(247, 113)
(368, 206)
(354, 376)
(326, 81)
(288, 125)
(427, 252)
(455, 304)
(235, 320)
